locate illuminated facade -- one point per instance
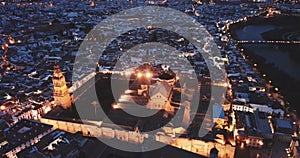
(60, 90)
(160, 95)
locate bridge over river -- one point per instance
(265, 42)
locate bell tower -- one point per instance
(60, 90)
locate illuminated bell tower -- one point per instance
(60, 90)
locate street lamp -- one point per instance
(146, 76)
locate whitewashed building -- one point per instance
(160, 94)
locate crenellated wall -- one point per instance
(196, 146)
(92, 130)
(203, 148)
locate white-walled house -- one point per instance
(267, 109)
(160, 94)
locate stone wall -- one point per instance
(95, 131)
(203, 148)
(196, 146)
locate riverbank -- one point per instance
(280, 63)
(281, 28)
(288, 86)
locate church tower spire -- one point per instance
(60, 90)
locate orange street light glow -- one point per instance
(2, 107)
(139, 75)
(247, 141)
(115, 106)
(148, 74)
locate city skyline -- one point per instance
(149, 78)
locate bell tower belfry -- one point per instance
(60, 90)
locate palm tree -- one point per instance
(96, 106)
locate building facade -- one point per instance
(60, 90)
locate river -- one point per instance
(271, 53)
(281, 63)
